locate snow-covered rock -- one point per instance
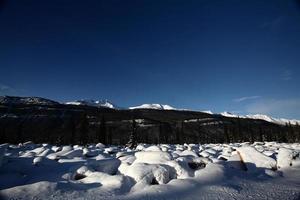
(254, 159)
(108, 165)
(100, 146)
(211, 151)
(37, 160)
(64, 150)
(84, 170)
(73, 153)
(269, 153)
(153, 148)
(147, 174)
(152, 157)
(204, 154)
(167, 171)
(236, 162)
(284, 158)
(111, 150)
(90, 152)
(188, 153)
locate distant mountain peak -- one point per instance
(207, 111)
(264, 117)
(14, 100)
(154, 106)
(229, 114)
(95, 103)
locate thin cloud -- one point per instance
(274, 24)
(287, 75)
(246, 98)
(6, 90)
(289, 108)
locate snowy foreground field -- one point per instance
(210, 171)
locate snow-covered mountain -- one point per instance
(267, 118)
(228, 114)
(12, 100)
(98, 103)
(153, 106)
(281, 121)
(263, 117)
(208, 112)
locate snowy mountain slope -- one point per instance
(228, 114)
(263, 117)
(98, 103)
(208, 112)
(267, 118)
(12, 100)
(281, 121)
(153, 106)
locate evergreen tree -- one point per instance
(132, 138)
(3, 138)
(261, 138)
(83, 130)
(102, 137)
(297, 134)
(69, 129)
(182, 136)
(20, 138)
(226, 134)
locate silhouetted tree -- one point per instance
(83, 130)
(102, 131)
(132, 138)
(226, 134)
(20, 137)
(69, 129)
(3, 138)
(261, 138)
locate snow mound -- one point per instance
(284, 158)
(254, 159)
(104, 179)
(152, 157)
(164, 171)
(107, 165)
(148, 174)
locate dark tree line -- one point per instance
(85, 129)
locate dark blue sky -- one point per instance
(236, 55)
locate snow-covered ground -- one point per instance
(267, 170)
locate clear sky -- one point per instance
(236, 55)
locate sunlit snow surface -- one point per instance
(210, 171)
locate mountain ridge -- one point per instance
(15, 100)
